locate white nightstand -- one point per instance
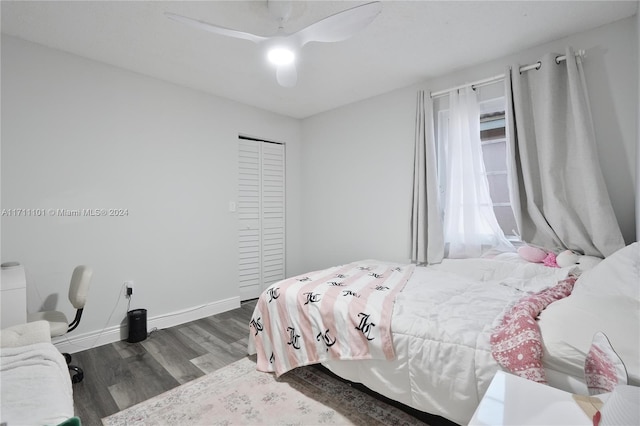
(512, 400)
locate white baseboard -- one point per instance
(71, 344)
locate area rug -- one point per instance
(239, 395)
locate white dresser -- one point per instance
(14, 295)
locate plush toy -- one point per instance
(532, 254)
(584, 262)
(567, 258)
(550, 260)
(537, 255)
(561, 260)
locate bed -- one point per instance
(442, 321)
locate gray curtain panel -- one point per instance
(427, 237)
(559, 196)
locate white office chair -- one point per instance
(78, 290)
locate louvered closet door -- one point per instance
(261, 204)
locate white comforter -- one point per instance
(441, 326)
(36, 387)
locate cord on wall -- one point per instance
(120, 293)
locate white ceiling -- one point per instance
(410, 41)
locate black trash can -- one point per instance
(137, 325)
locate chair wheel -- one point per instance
(67, 358)
(78, 374)
(77, 378)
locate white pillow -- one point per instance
(568, 327)
(617, 275)
(605, 298)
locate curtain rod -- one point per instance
(499, 77)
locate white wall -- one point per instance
(359, 159)
(357, 177)
(78, 134)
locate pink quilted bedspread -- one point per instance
(516, 344)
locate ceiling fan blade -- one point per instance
(215, 28)
(287, 75)
(339, 26)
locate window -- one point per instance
(494, 152)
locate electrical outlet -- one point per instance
(128, 288)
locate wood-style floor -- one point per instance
(122, 374)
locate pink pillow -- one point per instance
(603, 368)
(532, 254)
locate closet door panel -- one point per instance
(261, 216)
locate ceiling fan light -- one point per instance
(281, 56)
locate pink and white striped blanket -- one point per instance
(516, 344)
(343, 312)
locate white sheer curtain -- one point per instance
(558, 191)
(427, 245)
(470, 225)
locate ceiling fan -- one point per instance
(283, 48)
